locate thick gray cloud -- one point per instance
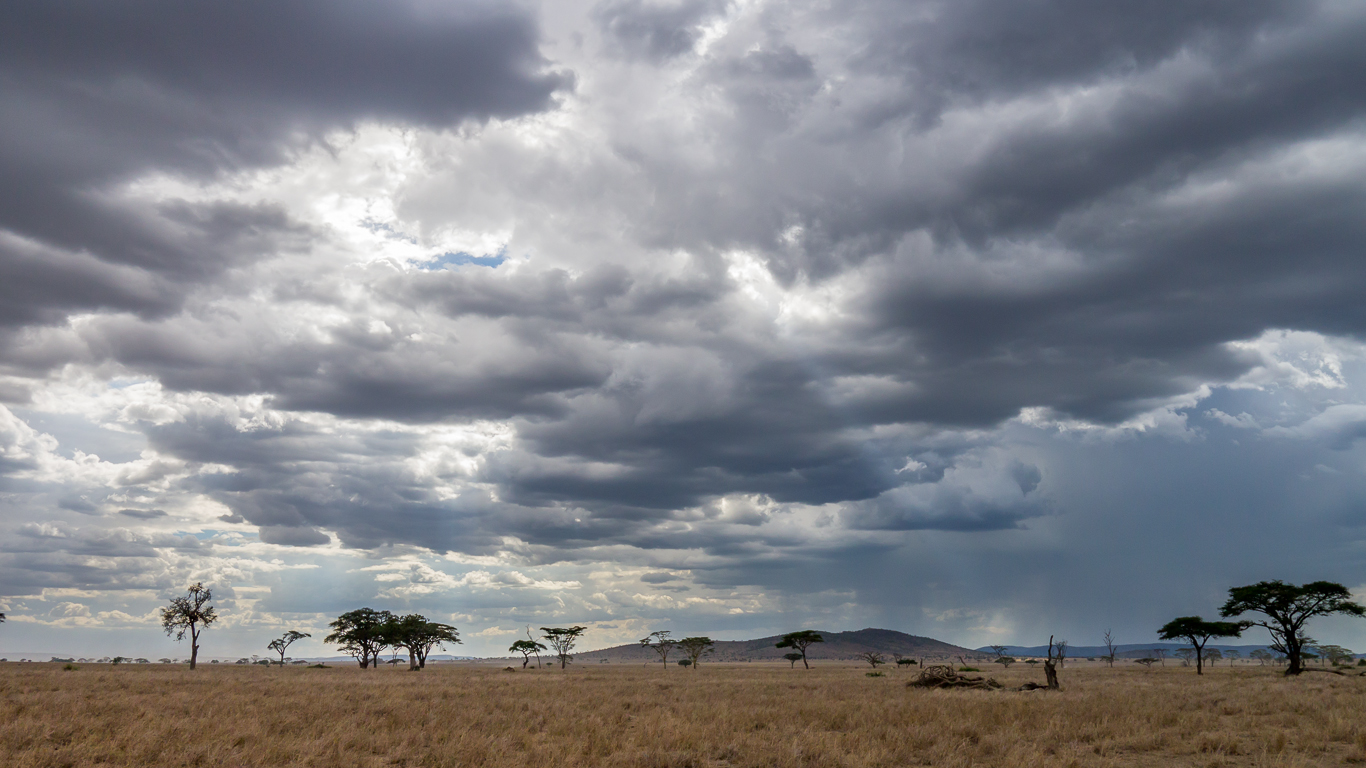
(96, 95)
(795, 297)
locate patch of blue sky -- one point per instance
(460, 258)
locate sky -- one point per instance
(984, 320)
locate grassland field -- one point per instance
(758, 714)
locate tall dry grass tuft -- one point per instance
(651, 717)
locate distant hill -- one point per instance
(1131, 651)
(837, 646)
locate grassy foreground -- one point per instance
(720, 715)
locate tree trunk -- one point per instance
(1199, 661)
(194, 648)
(1292, 654)
(1051, 674)
(804, 664)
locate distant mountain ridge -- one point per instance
(837, 646)
(1126, 651)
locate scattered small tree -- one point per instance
(1287, 609)
(1232, 656)
(800, 641)
(662, 643)
(1001, 657)
(362, 634)
(1335, 654)
(873, 658)
(1060, 654)
(527, 648)
(695, 648)
(1186, 656)
(685, 662)
(191, 615)
(281, 643)
(1213, 655)
(562, 639)
(1197, 632)
(1109, 648)
(796, 657)
(1261, 655)
(1147, 662)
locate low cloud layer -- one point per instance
(729, 316)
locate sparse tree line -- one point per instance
(1280, 608)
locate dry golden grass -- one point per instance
(720, 715)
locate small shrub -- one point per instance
(873, 674)
(969, 669)
(70, 667)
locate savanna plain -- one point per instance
(759, 714)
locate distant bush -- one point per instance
(873, 674)
(70, 667)
(685, 662)
(969, 669)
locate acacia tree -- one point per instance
(796, 657)
(419, 636)
(283, 642)
(661, 643)
(1197, 632)
(1109, 648)
(873, 658)
(695, 647)
(191, 615)
(362, 634)
(526, 648)
(800, 641)
(1287, 609)
(562, 639)
(1232, 656)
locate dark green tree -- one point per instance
(1197, 632)
(191, 615)
(1287, 609)
(800, 641)
(362, 634)
(661, 643)
(793, 657)
(281, 643)
(562, 639)
(526, 648)
(419, 636)
(695, 648)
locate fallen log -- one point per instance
(947, 677)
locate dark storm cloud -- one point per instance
(94, 94)
(1057, 205)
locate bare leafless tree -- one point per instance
(873, 658)
(1050, 671)
(1109, 648)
